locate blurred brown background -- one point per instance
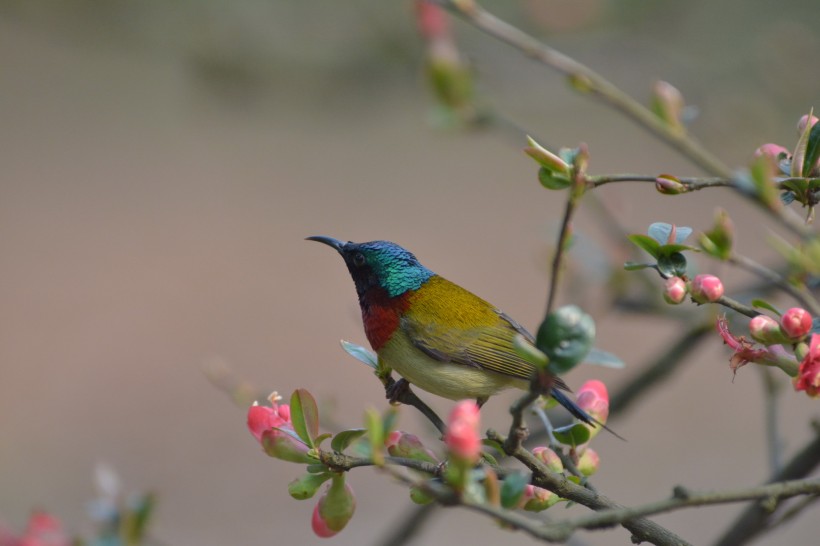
(162, 163)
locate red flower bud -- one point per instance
(796, 322)
(773, 151)
(675, 290)
(536, 498)
(706, 289)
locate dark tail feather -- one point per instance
(578, 413)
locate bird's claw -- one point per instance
(396, 390)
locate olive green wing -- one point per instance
(487, 347)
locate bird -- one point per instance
(435, 334)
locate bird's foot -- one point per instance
(396, 390)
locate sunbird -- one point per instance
(434, 333)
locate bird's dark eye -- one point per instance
(358, 259)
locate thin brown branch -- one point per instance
(801, 296)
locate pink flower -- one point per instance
(43, 530)
(707, 289)
(746, 351)
(431, 19)
(462, 436)
(593, 398)
(796, 322)
(272, 428)
(264, 418)
(675, 290)
(808, 375)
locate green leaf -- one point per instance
(799, 156)
(645, 242)
(566, 337)
(343, 439)
(304, 414)
(306, 486)
(493, 444)
(321, 438)
(673, 265)
(763, 304)
(361, 354)
(572, 435)
(375, 431)
(316, 468)
(603, 358)
(634, 266)
(489, 458)
(552, 180)
(812, 150)
(389, 420)
(512, 489)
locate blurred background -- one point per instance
(163, 162)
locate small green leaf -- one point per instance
(673, 265)
(493, 444)
(375, 431)
(321, 438)
(343, 439)
(512, 489)
(361, 354)
(316, 468)
(572, 435)
(661, 232)
(634, 266)
(799, 156)
(389, 420)
(812, 150)
(552, 180)
(306, 486)
(645, 242)
(304, 414)
(603, 358)
(763, 304)
(489, 458)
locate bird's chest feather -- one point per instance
(381, 315)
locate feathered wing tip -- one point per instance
(578, 413)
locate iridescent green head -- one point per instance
(379, 264)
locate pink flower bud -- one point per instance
(675, 290)
(262, 418)
(773, 151)
(334, 509)
(801, 124)
(409, 446)
(808, 374)
(766, 330)
(589, 462)
(796, 322)
(536, 499)
(431, 19)
(706, 289)
(549, 458)
(593, 398)
(319, 526)
(669, 185)
(462, 437)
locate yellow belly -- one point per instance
(452, 381)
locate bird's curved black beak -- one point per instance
(329, 241)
